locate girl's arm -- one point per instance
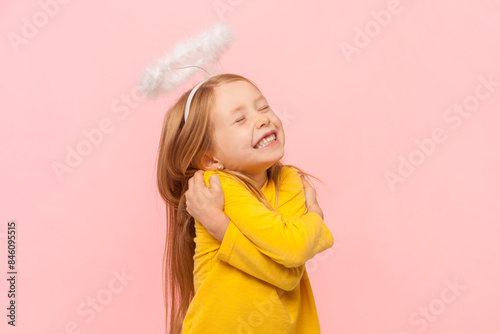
(289, 237)
(237, 250)
(205, 205)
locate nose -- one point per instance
(262, 120)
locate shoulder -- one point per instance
(290, 177)
(290, 180)
(288, 172)
(225, 178)
(234, 191)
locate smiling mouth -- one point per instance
(266, 141)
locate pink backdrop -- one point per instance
(393, 104)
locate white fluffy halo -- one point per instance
(167, 73)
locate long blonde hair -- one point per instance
(180, 153)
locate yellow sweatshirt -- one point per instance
(255, 280)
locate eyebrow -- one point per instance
(261, 97)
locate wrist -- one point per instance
(221, 223)
(316, 208)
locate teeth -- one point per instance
(264, 142)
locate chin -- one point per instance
(278, 158)
(282, 152)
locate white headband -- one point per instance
(190, 98)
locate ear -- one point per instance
(209, 163)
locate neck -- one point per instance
(259, 178)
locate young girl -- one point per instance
(236, 251)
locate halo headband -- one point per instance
(165, 74)
(190, 98)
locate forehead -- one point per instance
(232, 95)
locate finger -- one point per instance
(304, 181)
(214, 183)
(190, 182)
(198, 179)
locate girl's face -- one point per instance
(242, 117)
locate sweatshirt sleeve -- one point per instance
(289, 236)
(237, 250)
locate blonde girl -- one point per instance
(240, 224)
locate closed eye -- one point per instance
(239, 120)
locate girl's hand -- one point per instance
(206, 205)
(311, 202)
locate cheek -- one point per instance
(275, 119)
(220, 144)
(234, 142)
(277, 122)
(242, 142)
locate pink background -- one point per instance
(350, 119)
